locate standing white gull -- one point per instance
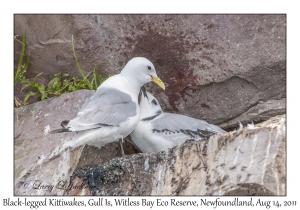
(112, 112)
(158, 130)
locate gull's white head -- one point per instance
(149, 107)
(142, 70)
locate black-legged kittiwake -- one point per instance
(158, 130)
(112, 112)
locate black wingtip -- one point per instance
(62, 130)
(65, 123)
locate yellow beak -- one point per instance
(158, 82)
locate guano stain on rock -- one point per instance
(168, 54)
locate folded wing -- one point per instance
(177, 127)
(107, 107)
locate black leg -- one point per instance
(121, 144)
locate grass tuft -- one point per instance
(61, 83)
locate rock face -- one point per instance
(244, 162)
(221, 68)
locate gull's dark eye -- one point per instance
(154, 102)
(149, 67)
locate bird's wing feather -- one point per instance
(176, 126)
(107, 107)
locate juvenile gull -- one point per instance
(113, 111)
(158, 130)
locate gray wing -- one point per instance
(174, 126)
(107, 107)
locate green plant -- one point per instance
(61, 83)
(96, 78)
(22, 67)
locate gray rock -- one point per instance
(220, 68)
(259, 112)
(243, 162)
(215, 67)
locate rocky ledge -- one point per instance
(249, 161)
